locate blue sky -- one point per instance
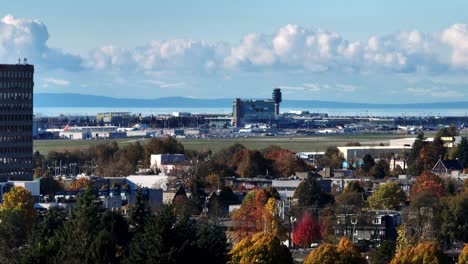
(360, 51)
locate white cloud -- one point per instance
(456, 36)
(163, 84)
(435, 92)
(317, 87)
(290, 47)
(20, 38)
(57, 82)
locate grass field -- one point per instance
(296, 144)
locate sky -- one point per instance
(357, 51)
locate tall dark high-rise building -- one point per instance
(16, 118)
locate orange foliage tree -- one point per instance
(79, 184)
(257, 213)
(285, 163)
(428, 182)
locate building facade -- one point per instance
(256, 111)
(16, 121)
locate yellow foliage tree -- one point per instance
(260, 248)
(214, 180)
(273, 223)
(463, 258)
(423, 253)
(344, 252)
(20, 200)
(325, 254)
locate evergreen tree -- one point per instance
(138, 213)
(79, 232)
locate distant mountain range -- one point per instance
(82, 100)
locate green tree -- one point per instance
(461, 152)
(310, 194)
(368, 163)
(49, 186)
(384, 253)
(415, 165)
(138, 213)
(79, 231)
(43, 246)
(388, 196)
(455, 217)
(166, 239)
(13, 235)
(332, 158)
(380, 170)
(420, 218)
(110, 243)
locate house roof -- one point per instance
(453, 164)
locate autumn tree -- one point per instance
(344, 252)
(258, 212)
(388, 196)
(420, 216)
(354, 187)
(428, 182)
(249, 163)
(285, 163)
(306, 231)
(17, 216)
(260, 248)
(79, 184)
(427, 252)
(20, 200)
(463, 257)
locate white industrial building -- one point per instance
(358, 152)
(166, 162)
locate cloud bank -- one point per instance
(20, 38)
(291, 47)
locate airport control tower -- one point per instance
(277, 98)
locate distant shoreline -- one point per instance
(80, 100)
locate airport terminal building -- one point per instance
(256, 111)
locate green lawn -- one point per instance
(296, 144)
